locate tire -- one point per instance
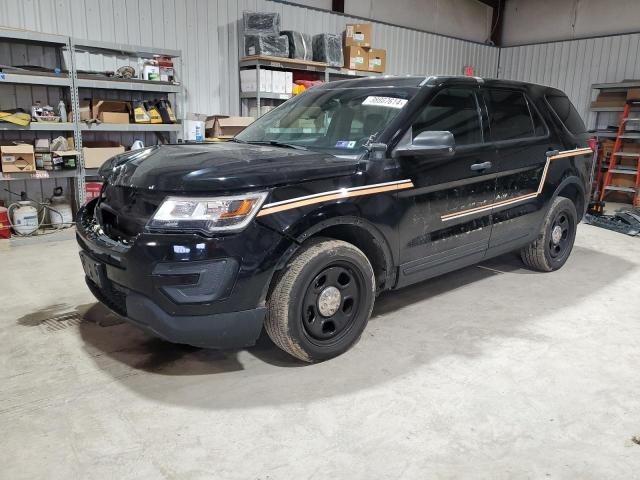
(325, 276)
(550, 252)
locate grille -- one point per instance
(123, 212)
(112, 298)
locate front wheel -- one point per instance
(551, 249)
(322, 301)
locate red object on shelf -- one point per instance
(5, 229)
(92, 190)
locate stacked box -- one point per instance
(357, 35)
(261, 23)
(327, 48)
(271, 45)
(300, 45)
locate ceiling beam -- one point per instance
(492, 3)
(337, 6)
(497, 20)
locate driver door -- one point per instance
(446, 218)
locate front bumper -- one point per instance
(185, 288)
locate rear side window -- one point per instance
(454, 110)
(567, 113)
(510, 117)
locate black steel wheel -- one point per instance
(331, 302)
(560, 238)
(322, 300)
(553, 246)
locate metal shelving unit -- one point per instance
(258, 62)
(131, 127)
(56, 78)
(40, 127)
(137, 85)
(73, 82)
(35, 79)
(38, 175)
(92, 82)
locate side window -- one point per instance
(509, 116)
(567, 113)
(454, 110)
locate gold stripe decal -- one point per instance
(504, 203)
(298, 202)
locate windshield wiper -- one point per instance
(277, 144)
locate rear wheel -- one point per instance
(322, 301)
(551, 249)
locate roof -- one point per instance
(417, 81)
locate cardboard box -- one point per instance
(610, 99)
(17, 158)
(266, 80)
(279, 82)
(288, 82)
(357, 35)
(623, 180)
(248, 81)
(42, 145)
(356, 58)
(111, 111)
(96, 153)
(377, 60)
(67, 159)
(223, 126)
(633, 94)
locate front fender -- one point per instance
(337, 214)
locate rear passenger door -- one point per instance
(522, 140)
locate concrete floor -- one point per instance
(490, 372)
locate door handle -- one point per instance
(479, 167)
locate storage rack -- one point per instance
(121, 87)
(281, 63)
(68, 50)
(58, 78)
(613, 115)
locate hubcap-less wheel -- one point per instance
(560, 234)
(321, 301)
(551, 248)
(330, 303)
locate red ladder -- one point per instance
(614, 167)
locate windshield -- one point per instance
(339, 121)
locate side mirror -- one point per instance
(427, 144)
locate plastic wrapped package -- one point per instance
(272, 45)
(300, 45)
(261, 23)
(327, 48)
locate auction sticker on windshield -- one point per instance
(391, 102)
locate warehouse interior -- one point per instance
(488, 371)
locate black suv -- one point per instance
(350, 189)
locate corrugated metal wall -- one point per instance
(207, 32)
(573, 66)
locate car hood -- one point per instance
(224, 166)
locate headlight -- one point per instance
(214, 214)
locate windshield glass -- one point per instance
(339, 121)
